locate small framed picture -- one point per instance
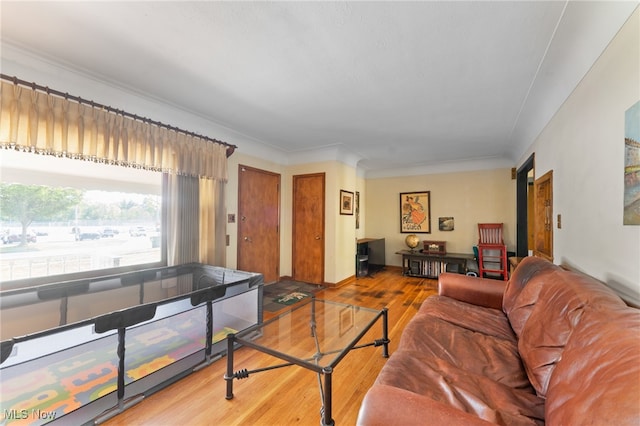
(357, 210)
(346, 202)
(445, 223)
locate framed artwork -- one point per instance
(445, 223)
(346, 202)
(415, 212)
(632, 165)
(357, 210)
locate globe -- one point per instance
(412, 241)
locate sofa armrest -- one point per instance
(475, 290)
(388, 405)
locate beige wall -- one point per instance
(584, 146)
(469, 197)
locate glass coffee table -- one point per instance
(315, 334)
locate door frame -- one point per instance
(522, 219)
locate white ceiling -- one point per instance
(395, 84)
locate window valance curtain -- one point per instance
(36, 121)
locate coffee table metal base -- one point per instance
(324, 373)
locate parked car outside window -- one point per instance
(138, 231)
(16, 238)
(87, 236)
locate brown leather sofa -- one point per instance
(550, 346)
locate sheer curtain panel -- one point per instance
(213, 225)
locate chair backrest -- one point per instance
(490, 233)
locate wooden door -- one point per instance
(259, 222)
(308, 228)
(543, 211)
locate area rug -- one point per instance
(286, 293)
(291, 298)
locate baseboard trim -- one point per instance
(348, 280)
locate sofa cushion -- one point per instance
(479, 291)
(438, 379)
(476, 353)
(523, 288)
(388, 405)
(479, 319)
(557, 311)
(599, 372)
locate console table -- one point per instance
(417, 263)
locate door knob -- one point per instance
(317, 237)
(247, 239)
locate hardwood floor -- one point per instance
(288, 396)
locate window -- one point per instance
(62, 216)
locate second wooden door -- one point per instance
(308, 228)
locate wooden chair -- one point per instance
(492, 252)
